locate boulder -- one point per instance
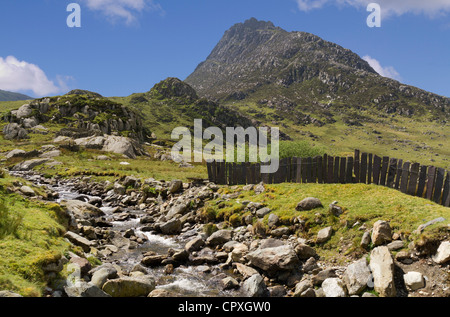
(274, 259)
(16, 153)
(78, 240)
(219, 237)
(333, 287)
(177, 209)
(381, 232)
(175, 185)
(102, 274)
(27, 191)
(172, 226)
(260, 213)
(194, 244)
(13, 131)
(255, 286)
(324, 235)
(29, 165)
(24, 111)
(382, 267)
(356, 277)
(304, 251)
(120, 145)
(308, 204)
(84, 289)
(414, 281)
(83, 209)
(130, 286)
(443, 253)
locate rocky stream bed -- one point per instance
(152, 240)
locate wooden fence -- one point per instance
(429, 182)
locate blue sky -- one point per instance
(127, 46)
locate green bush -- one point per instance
(300, 149)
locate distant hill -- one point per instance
(12, 96)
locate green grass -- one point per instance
(31, 237)
(363, 205)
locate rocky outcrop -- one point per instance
(82, 113)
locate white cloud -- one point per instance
(387, 71)
(388, 7)
(18, 75)
(126, 10)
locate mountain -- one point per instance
(12, 96)
(255, 59)
(317, 90)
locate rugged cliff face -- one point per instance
(256, 61)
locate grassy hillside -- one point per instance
(12, 96)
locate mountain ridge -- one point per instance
(256, 54)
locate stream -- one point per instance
(186, 281)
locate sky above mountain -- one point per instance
(127, 46)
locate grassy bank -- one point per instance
(30, 238)
(363, 205)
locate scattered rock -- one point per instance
(130, 286)
(382, 267)
(219, 237)
(381, 232)
(333, 287)
(324, 235)
(356, 277)
(255, 286)
(414, 281)
(274, 259)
